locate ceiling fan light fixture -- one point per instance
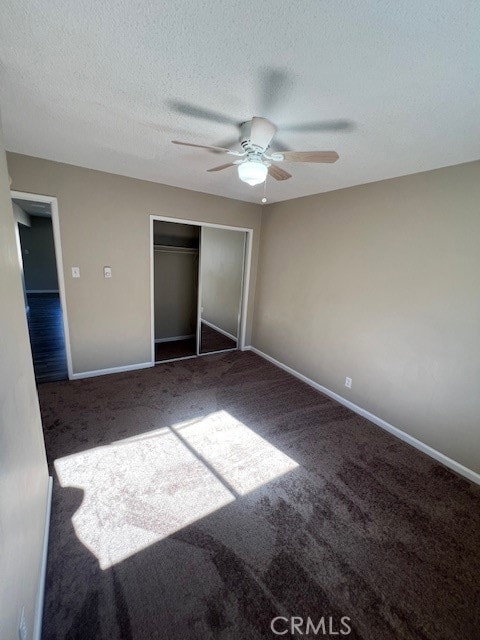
(252, 172)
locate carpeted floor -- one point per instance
(212, 340)
(175, 349)
(202, 498)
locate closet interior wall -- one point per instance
(176, 254)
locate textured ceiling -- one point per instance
(93, 83)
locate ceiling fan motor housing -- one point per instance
(255, 140)
(247, 145)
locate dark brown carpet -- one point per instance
(202, 498)
(211, 340)
(214, 340)
(175, 349)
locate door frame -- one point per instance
(245, 283)
(53, 202)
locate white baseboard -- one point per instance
(471, 475)
(41, 290)
(104, 372)
(37, 623)
(222, 331)
(174, 338)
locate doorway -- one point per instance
(199, 287)
(36, 221)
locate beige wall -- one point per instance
(222, 258)
(104, 220)
(381, 283)
(23, 468)
(176, 293)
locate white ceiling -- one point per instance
(89, 83)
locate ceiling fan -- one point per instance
(256, 161)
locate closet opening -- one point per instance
(175, 274)
(199, 287)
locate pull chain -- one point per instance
(264, 199)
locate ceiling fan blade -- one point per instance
(262, 132)
(278, 173)
(201, 146)
(198, 112)
(322, 125)
(308, 156)
(222, 166)
(273, 85)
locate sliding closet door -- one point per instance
(222, 259)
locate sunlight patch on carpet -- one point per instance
(242, 458)
(141, 490)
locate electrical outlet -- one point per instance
(22, 626)
(107, 272)
(348, 382)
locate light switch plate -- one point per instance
(75, 272)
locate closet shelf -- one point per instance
(166, 248)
